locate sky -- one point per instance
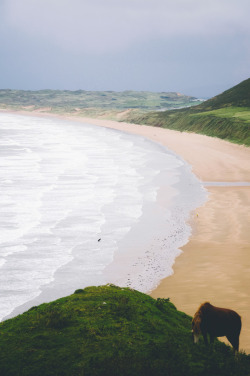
(194, 47)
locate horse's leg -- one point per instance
(236, 343)
(234, 340)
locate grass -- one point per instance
(240, 113)
(226, 116)
(237, 96)
(229, 123)
(108, 330)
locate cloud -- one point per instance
(99, 27)
(191, 46)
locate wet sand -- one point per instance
(215, 264)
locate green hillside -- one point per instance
(237, 96)
(226, 116)
(110, 331)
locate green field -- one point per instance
(110, 331)
(240, 113)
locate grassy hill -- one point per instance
(237, 96)
(111, 331)
(226, 116)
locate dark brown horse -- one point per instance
(216, 322)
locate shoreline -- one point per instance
(150, 230)
(214, 265)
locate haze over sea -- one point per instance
(84, 205)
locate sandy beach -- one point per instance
(215, 264)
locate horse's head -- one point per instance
(196, 329)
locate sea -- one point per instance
(83, 205)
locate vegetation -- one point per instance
(109, 330)
(226, 116)
(237, 96)
(97, 101)
(230, 124)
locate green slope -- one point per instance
(237, 96)
(226, 116)
(109, 330)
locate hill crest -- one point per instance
(237, 96)
(109, 330)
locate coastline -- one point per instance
(215, 263)
(143, 197)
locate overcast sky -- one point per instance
(195, 47)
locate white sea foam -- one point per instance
(66, 185)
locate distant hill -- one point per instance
(225, 116)
(93, 101)
(108, 330)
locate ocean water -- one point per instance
(83, 205)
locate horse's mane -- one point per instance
(199, 314)
(204, 307)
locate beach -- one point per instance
(215, 264)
